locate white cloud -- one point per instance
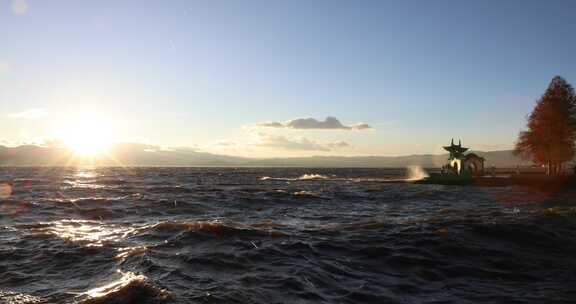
(330, 123)
(297, 143)
(33, 113)
(19, 7)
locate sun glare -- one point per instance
(87, 136)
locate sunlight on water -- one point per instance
(89, 233)
(7, 297)
(85, 173)
(127, 278)
(130, 288)
(77, 184)
(84, 178)
(126, 252)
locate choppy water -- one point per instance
(176, 235)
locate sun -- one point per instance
(86, 135)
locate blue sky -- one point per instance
(205, 74)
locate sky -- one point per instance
(260, 78)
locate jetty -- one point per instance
(468, 169)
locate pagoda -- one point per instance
(456, 151)
(461, 163)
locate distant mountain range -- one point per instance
(147, 155)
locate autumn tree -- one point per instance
(550, 137)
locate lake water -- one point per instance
(208, 235)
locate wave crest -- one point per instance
(215, 227)
(305, 177)
(9, 297)
(130, 288)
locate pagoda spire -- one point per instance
(456, 151)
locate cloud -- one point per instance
(33, 113)
(338, 144)
(299, 143)
(19, 7)
(271, 125)
(330, 123)
(226, 143)
(231, 146)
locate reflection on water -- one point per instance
(129, 288)
(125, 279)
(126, 252)
(87, 233)
(85, 178)
(86, 173)
(7, 297)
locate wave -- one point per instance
(214, 227)
(331, 235)
(130, 288)
(10, 297)
(415, 173)
(93, 200)
(313, 177)
(126, 252)
(307, 194)
(305, 177)
(169, 189)
(83, 232)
